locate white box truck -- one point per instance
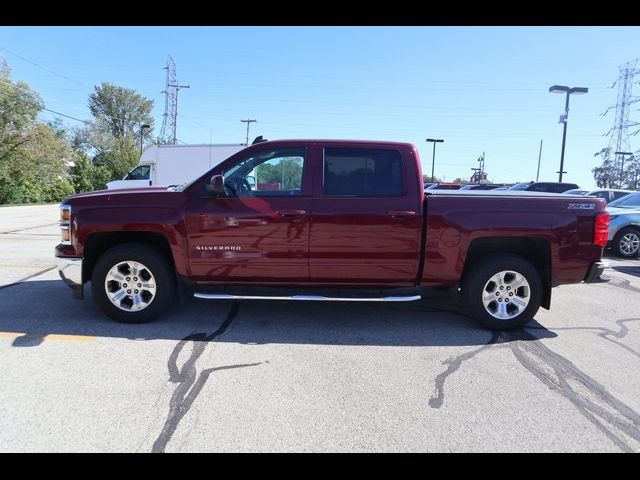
(165, 165)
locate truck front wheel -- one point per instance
(132, 283)
(502, 292)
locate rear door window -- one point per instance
(362, 172)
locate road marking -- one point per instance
(26, 265)
(49, 336)
(28, 228)
(21, 281)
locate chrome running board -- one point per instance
(305, 298)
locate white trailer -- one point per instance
(164, 165)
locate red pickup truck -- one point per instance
(331, 220)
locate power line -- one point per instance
(298, 75)
(45, 68)
(69, 116)
(88, 122)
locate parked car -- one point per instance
(444, 186)
(482, 186)
(624, 229)
(349, 221)
(609, 195)
(548, 187)
(576, 191)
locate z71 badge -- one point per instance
(581, 206)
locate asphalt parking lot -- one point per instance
(278, 376)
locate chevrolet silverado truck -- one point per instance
(327, 220)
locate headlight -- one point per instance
(65, 224)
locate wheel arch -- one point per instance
(98, 243)
(536, 251)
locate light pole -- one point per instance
(623, 154)
(248, 121)
(142, 127)
(433, 161)
(564, 118)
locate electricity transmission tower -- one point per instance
(170, 116)
(622, 124)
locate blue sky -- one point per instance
(479, 88)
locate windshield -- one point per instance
(628, 201)
(520, 186)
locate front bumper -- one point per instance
(70, 271)
(595, 273)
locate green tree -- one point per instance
(287, 172)
(19, 107)
(122, 110)
(459, 180)
(88, 177)
(34, 156)
(613, 174)
(38, 171)
(113, 138)
(606, 175)
(427, 179)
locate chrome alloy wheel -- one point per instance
(506, 295)
(130, 286)
(630, 243)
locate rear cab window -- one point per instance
(362, 172)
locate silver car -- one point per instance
(624, 229)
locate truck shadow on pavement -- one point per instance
(34, 311)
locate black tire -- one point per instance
(156, 264)
(618, 239)
(473, 289)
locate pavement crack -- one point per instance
(189, 381)
(453, 364)
(605, 333)
(609, 414)
(618, 282)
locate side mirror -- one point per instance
(216, 185)
(251, 181)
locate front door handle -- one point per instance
(290, 213)
(401, 213)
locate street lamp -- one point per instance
(563, 118)
(142, 127)
(433, 161)
(623, 154)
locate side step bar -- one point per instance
(305, 298)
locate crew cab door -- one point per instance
(258, 232)
(366, 216)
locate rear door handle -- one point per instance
(291, 213)
(401, 213)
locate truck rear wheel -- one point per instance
(132, 283)
(502, 292)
